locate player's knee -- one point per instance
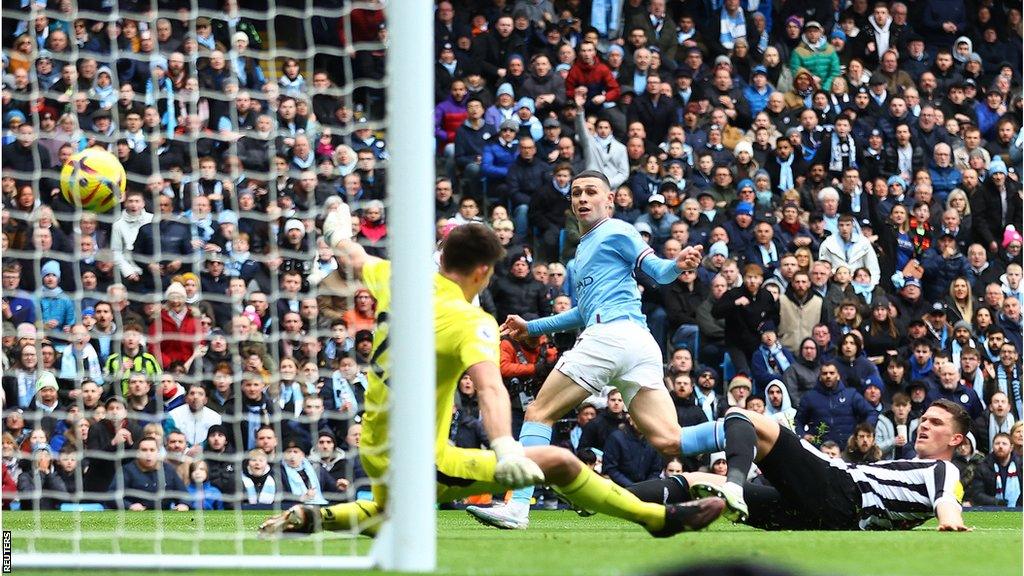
(558, 464)
(666, 444)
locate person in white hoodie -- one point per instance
(778, 404)
(850, 248)
(124, 231)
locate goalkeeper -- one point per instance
(467, 342)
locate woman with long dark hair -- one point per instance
(882, 339)
(854, 367)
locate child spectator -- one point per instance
(58, 311)
(205, 496)
(259, 484)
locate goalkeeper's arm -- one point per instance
(513, 469)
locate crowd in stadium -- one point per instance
(852, 171)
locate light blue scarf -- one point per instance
(297, 487)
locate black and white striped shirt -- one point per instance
(901, 494)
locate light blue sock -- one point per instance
(703, 438)
(532, 434)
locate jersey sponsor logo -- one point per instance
(584, 282)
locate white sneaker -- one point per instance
(511, 516)
(736, 507)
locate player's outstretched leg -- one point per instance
(305, 519)
(588, 490)
(557, 396)
(745, 434)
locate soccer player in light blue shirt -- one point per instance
(615, 347)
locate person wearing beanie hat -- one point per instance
(175, 335)
(816, 55)
(57, 309)
(719, 248)
(503, 107)
(992, 219)
(740, 388)
(1010, 235)
(327, 454)
(46, 397)
(771, 359)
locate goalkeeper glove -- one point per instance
(514, 469)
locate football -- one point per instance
(93, 179)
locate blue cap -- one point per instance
(759, 69)
(745, 183)
(745, 208)
(897, 180)
(838, 33)
(997, 166)
(527, 103)
(719, 248)
(90, 311)
(505, 88)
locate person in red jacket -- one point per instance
(176, 335)
(524, 366)
(601, 87)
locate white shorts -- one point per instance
(621, 353)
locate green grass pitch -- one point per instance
(565, 544)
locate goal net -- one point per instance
(191, 362)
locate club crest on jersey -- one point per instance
(486, 333)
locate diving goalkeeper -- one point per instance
(467, 341)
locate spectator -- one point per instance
(174, 337)
(994, 420)
(149, 474)
(896, 429)
(41, 487)
(628, 457)
(771, 359)
(952, 388)
(193, 418)
(597, 431)
(258, 482)
(204, 495)
(849, 248)
(57, 311)
(997, 480)
(600, 148)
(519, 293)
(856, 370)
(301, 480)
(821, 416)
(861, 447)
(743, 309)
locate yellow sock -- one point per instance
(351, 515)
(592, 492)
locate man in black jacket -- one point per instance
(596, 432)
(653, 109)
(518, 293)
(997, 479)
(165, 247)
(526, 177)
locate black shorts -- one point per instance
(812, 494)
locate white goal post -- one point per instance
(408, 543)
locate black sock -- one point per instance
(740, 444)
(671, 490)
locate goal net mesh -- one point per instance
(204, 311)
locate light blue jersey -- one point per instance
(602, 275)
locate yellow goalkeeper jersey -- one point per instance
(464, 335)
